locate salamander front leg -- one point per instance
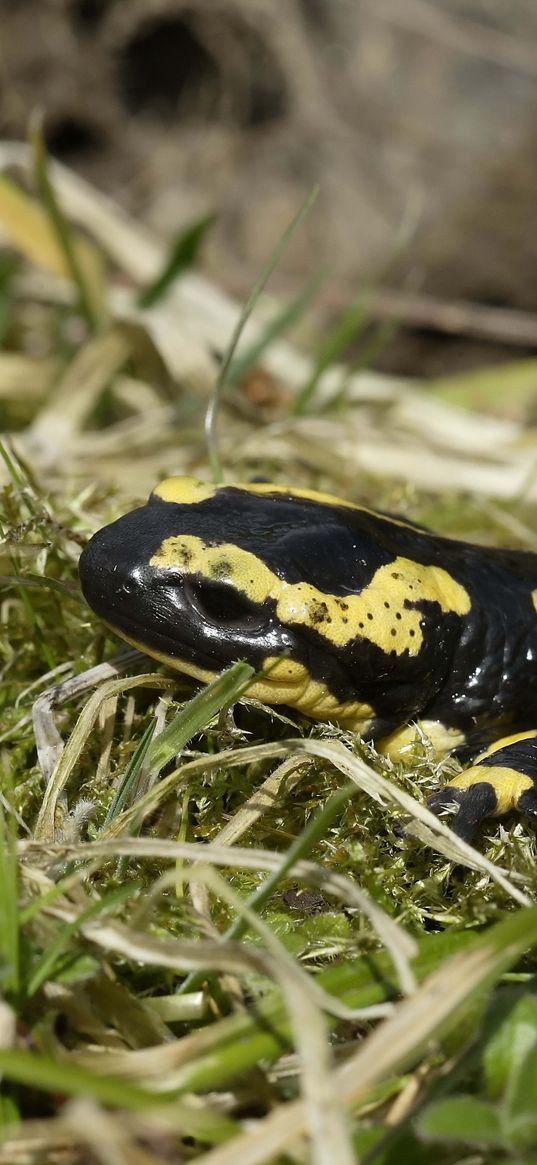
(503, 778)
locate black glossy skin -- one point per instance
(475, 672)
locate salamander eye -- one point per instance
(223, 607)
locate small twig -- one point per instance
(454, 317)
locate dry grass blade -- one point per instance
(304, 1000)
(397, 942)
(109, 1137)
(438, 834)
(48, 741)
(46, 822)
(76, 393)
(28, 375)
(132, 247)
(396, 1042)
(177, 955)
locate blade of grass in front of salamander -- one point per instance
(303, 845)
(227, 687)
(189, 721)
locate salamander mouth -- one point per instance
(161, 645)
(152, 632)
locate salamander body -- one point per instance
(353, 616)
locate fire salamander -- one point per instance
(355, 616)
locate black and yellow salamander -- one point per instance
(357, 617)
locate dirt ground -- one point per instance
(417, 118)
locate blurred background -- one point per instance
(418, 118)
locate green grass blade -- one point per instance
(303, 845)
(44, 969)
(352, 322)
(133, 768)
(184, 252)
(12, 465)
(47, 1075)
(283, 320)
(9, 908)
(199, 711)
(211, 417)
(42, 581)
(9, 265)
(61, 227)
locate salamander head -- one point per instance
(304, 587)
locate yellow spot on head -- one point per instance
(224, 563)
(184, 490)
(534, 598)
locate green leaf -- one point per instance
(183, 253)
(510, 1044)
(199, 712)
(9, 910)
(461, 1119)
(389, 1146)
(521, 1102)
(81, 260)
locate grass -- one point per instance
(215, 944)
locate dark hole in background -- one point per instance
(165, 70)
(162, 65)
(71, 138)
